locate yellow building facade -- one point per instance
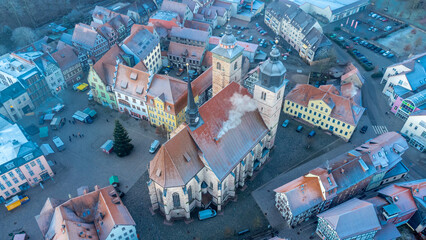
(324, 108)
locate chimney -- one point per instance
(85, 191)
(342, 171)
(97, 188)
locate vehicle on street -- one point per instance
(154, 146)
(75, 86)
(58, 143)
(311, 133)
(82, 117)
(390, 55)
(299, 128)
(239, 32)
(16, 201)
(264, 33)
(285, 58)
(91, 112)
(386, 53)
(364, 129)
(242, 36)
(285, 123)
(205, 214)
(83, 87)
(235, 27)
(57, 123)
(113, 180)
(41, 120)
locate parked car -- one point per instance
(333, 35)
(299, 128)
(390, 55)
(205, 214)
(340, 38)
(264, 33)
(235, 27)
(386, 53)
(154, 146)
(285, 123)
(239, 32)
(363, 129)
(242, 36)
(311, 133)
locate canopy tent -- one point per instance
(49, 116)
(44, 132)
(46, 149)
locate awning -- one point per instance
(107, 146)
(46, 149)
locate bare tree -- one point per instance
(3, 49)
(23, 35)
(418, 42)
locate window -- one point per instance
(190, 194)
(2, 187)
(263, 96)
(211, 185)
(35, 179)
(7, 194)
(32, 164)
(8, 184)
(160, 196)
(31, 173)
(411, 124)
(218, 66)
(13, 190)
(176, 200)
(279, 95)
(236, 66)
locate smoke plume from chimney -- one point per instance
(240, 105)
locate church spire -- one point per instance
(191, 114)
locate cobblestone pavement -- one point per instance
(82, 163)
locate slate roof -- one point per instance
(352, 218)
(189, 33)
(343, 109)
(141, 43)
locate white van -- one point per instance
(154, 146)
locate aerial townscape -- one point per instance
(213, 119)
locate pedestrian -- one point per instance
(79, 134)
(82, 135)
(107, 120)
(70, 138)
(69, 121)
(73, 135)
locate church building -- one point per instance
(223, 141)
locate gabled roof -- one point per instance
(95, 214)
(131, 82)
(352, 218)
(401, 197)
(104, 67)
(189, 51)
(11, 92)
(66, 57)
(179, 8)
(84, 35)
(171, 88)
(343, 108)
(177, 161)
(197, 25)
(189, 33)
(302, 194)
(141, 43)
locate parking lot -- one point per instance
(82, 163)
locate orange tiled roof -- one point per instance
(343, 108)
(131, 82)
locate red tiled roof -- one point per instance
(193, 52)
(136, 81)
(343, 108)
(233, 146)
(105, 66)
(66, 57)
(169, 168)
(197, 25)
(85, 35)
(401, 197)
(208, 59)
(179, 8)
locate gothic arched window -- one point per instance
(176, 200)
(236, 66)
(160, 196)
(190, 194)
(218, 66)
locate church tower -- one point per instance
(269, 92)
(192, 116)
(227, 61)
